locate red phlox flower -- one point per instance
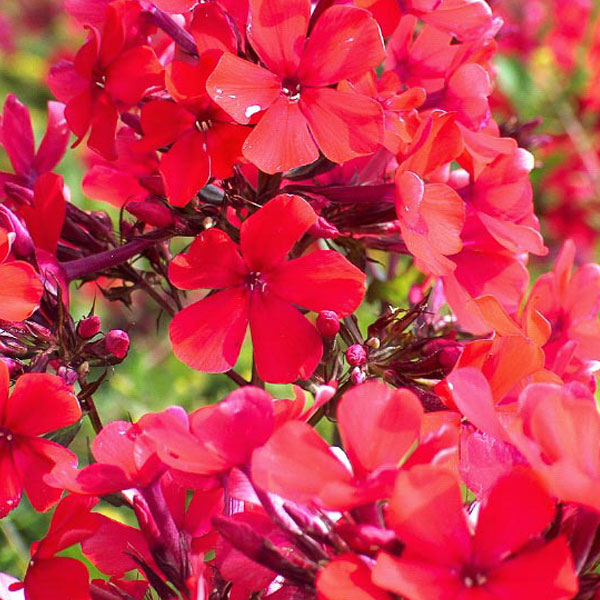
(296, 462)
(570, 302)
(16, 135)
(216, 438)
(40, 403)
(559, 434)
(132, 177)
(205, 143)
(399, 106)
(506, 558)
(463, 19)
(293, 97)
(124, 458)
(259, 287)
(21, 289)
(431, 217)
(109, 74)
(72, 522)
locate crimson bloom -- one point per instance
(259, 287)
(300, 112)
(40, 403)
(505, 559)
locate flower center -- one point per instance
(255, 281)
(203, 126)
(473, 578)
(6, 436)
(291, 87)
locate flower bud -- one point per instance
(323, 229)
(357, 376)
(328, 323)
(117, 343)
(356, 355)
(69, 376)
(14, 368)
(152, 212)
(88, 327)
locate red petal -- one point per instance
(296, 463)
(40, 403)
(175, 6)
(132, 73)
(103, 128)
(65, 82)
(54, 143)
(517, 509)
(212, 262)
(344, 43)
(36, 457)
(185, 168)
(322, 280)
(417, 579)
(426, 511)
(344, 124)
(16, 135)
(544, 573)
(4, 390)
(281, 139)
(212, 30)
(276, 30)
(56, 579)
(269, 234)
(20, 292)
(163, 122)
(390, 419)
(12, 483)
(78, 113)
(45, 218)
(208, 334)
(224, 143)
(347, 577)
(286, 345)
(242, 88)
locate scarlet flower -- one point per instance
(259, 287)
(505, 559)
(107, 75)
(40, 403)
(299, 112)
(21, 288)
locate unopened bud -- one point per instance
(69, 376)
(328, 323)
(374, 343)
(323, 229)
(358, 376)
(14, 368)
(88, 327)
(117, 343)
(356, 355)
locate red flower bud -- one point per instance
(328, 323)
(357, 376)
(88, 327)
(152, 212)
(117, 343)
(356, 355)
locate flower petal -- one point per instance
(41, 403)
(20, 292)
(242, 88)
(389, 419)
(322, 280)
(54, 143)
(12, 483)
(208, 334)
(281, 140)
(269, 234)
(16, 135)
(344, 43)
(212, 262)
(277, 30)
(286, 345)
(185, 168)
(344, 124)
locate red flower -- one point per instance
(16, 135)
(296, 462)
(259, 287)
(301, 113)
(107, 75)
(40, 403)
(205, 142)
(21, 288)
(505, 559)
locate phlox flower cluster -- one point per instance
(321, 186)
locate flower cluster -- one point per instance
(328, 176)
